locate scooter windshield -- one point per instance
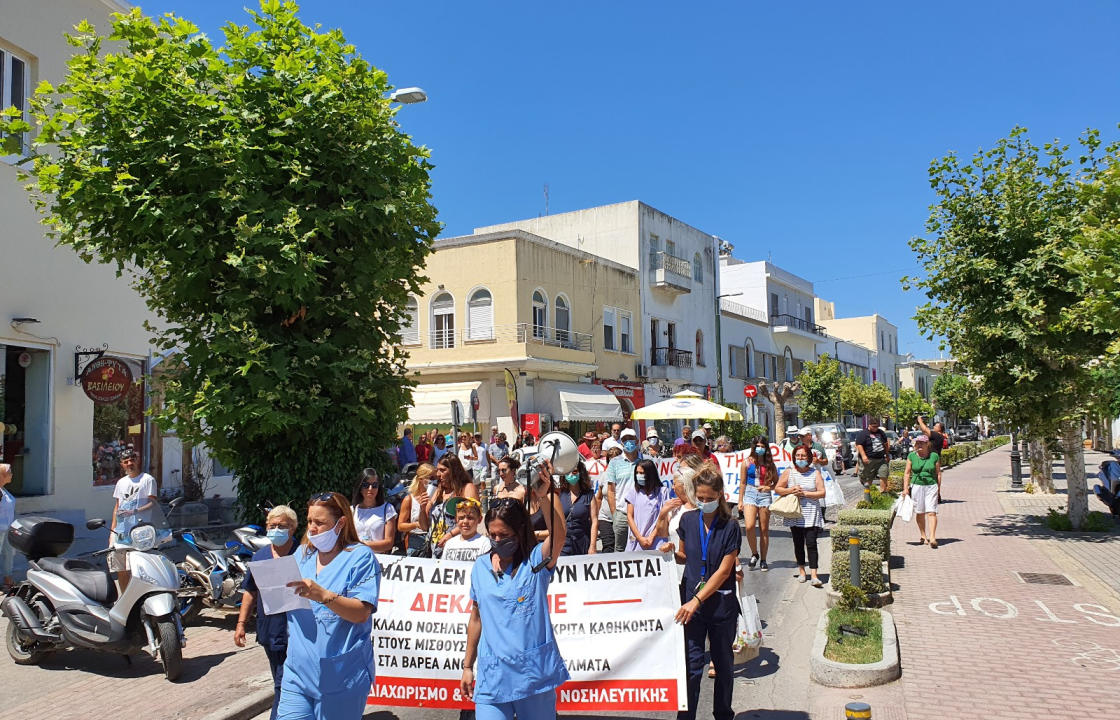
(141, 512)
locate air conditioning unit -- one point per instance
(641, 370)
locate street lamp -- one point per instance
(1016, 463)
(408, 95)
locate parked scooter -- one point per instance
(67, 602)
(1108, 489)
(208, 577)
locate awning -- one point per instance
(578, 401)
(431, 404)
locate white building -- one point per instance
(676, 265)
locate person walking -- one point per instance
(581, 512)
(922, 482)
(602, 497)
(700, 446)
(424, 450)
(413, 522)
(620, 478)
(669, 520)
(467, 453)
(644, 501)
(709, 541)
(936, 435)
(651, 448)
(406, 452)
(584, 447)
(7, 517)
(272, 630)
(723, 444)
(509, 633)
(374, 519)
(874, 453)
(809, 440)
(330, 669)
(807, 483)
(757, 477)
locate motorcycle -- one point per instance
(209, 576)
(69, 602)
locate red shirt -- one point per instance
(424, 452)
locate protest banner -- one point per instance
(612, 616)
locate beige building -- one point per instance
(873, 332)
(519, 319)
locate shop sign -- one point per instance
(106, 380)
(24, 360)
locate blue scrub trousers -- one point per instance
(276, 663)
(347, 705)
(715, 622)
(541, 706)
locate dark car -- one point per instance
(967, 432)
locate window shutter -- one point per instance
(480, 320)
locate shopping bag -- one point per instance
(906, 508)
(833, 495)
(748, 638)
(786, 506)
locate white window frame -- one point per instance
(6, 58)
(610, 321)
(563, 334)
(449, 342)
(750, 358)
(787, 356)
(539, 330)
(625, 339)
(410, 330)
(487, 331)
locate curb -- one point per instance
(875, 600)
(845, 675)
(244, 708)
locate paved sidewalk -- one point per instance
(77, 685)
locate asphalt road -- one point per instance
(769, 587)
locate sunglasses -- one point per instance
(368, 485)
(321, 497)
(504, 502)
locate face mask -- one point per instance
(708, 507)
(572, 478)
(326, 540)
(630, 446)
(802, 463)
(278, 536)
(504, 548)
(760, 451)
(640, 478)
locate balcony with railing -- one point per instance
(667, 363)
(743, 311)
(791, 323)
(668, 272)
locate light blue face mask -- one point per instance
(630, 446)
(572, 478)
(802, 463)
(640, 478)
(760, 451)
(278, 536)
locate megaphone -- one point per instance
(560, 449)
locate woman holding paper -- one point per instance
(509, 633)
(272, 630)
(329, 670)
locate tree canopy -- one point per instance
(820, 389)
(956, 396)
(910, 405)
(263, 201)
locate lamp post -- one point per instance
(408, 96)
(1016, 463)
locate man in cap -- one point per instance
(620, 478)
(584, 448)
(709, 434)
(652, 445)
(792, 440)
(700, 445)
(820, 457)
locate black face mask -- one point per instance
(504, 548)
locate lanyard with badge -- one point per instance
(704, 540)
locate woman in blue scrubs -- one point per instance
(329, 669)
(709, 550)
(509, 633)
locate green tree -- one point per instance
(820, 387)
(910, 405)
(1001, 287)
(263, 201)
(862, 399)
(956, 396)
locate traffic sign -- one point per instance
(750, 391)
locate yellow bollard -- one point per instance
(857, 711)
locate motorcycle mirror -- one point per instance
(95, 524)
(175, 503)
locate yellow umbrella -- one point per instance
(685, 405)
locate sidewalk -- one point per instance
(80, 684)
(977, 639)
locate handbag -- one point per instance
(906, 508)
(833, 495)
(748, 636)
(786, 506)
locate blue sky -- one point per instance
(798, 132)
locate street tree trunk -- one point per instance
(1077, 490)
(1041, 466)
(778, 393)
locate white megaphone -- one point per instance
(560, 449)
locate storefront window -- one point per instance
(25, 417)
(117, 425)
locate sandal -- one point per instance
(711, 670)
(932, 544)
(922, 541)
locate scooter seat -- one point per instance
(93, 582)
(211, 546)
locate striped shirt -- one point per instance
(810, 507)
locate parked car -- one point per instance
(966, 432)
(898, 449)
(834, 437)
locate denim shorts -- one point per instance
(756, 497)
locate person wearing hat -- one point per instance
(792, 440)
(820, 457)
(651, 448)
(700, 445)
(620, 478)
(135, 495)
(585, 447)
(709, 433)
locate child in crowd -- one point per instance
(469, 543)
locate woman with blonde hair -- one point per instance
(413, 522)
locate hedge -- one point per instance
(854, 516)
(870, 571)
(871, 537)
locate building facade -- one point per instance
(543, 335)
(873, 332)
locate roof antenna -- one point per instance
(546, 198)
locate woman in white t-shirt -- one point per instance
(468, 454)
(374, 519)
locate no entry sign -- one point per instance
(750, 391)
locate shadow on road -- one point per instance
(1031, 527)
(765, 664)
(131, 666)
(772, 715)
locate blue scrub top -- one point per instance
(272, 630)
(726, 538)
(326, 654)
(517, 653)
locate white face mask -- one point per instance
(708, 507)
(326, 540)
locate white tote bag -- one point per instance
(906, 508)
(833, 495)
(748, 638)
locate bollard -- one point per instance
(867, 493)
(1016, 464)
(857, 710)
(853, 559)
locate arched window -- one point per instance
(789, 364)
(410, 327)
(748, 366)
(700, 348)
(540, 315)
(480, 315)
(697, 269)
(563, 320)
(443, 321)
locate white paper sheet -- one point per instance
(272, 578)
